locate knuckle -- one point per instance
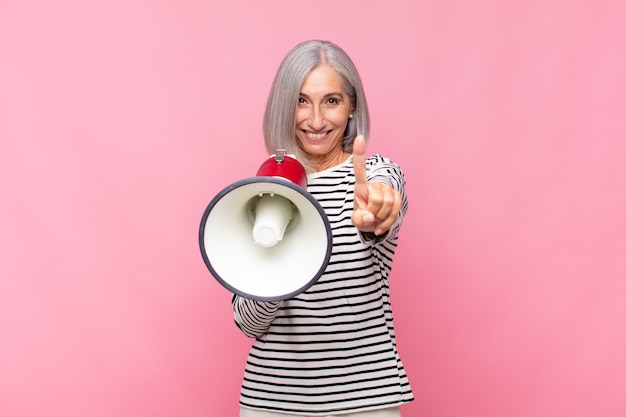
(376, 198)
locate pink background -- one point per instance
(119, 120)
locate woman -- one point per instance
(330, 350)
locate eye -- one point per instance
(302, 100)
(333, 101)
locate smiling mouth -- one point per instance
(316, 136)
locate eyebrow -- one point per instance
(325, 95)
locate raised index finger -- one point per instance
(358, 160)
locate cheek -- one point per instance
(340, 118)
(300, 116)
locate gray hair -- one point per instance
(279, 124)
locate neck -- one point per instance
(324, 162)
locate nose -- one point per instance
(316, 118)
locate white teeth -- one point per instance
(317, 135)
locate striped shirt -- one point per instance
(332, 348)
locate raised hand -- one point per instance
(376, 205)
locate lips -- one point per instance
(316, 136)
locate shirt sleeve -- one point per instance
(252, 317)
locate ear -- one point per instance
(351, 109)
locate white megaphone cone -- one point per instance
(266, 238)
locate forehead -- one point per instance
(323, 80)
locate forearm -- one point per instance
(253, 318)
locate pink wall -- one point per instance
(120, 120)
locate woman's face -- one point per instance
(323, 112)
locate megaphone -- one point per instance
(266, 238)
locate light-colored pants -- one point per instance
(386, 412)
